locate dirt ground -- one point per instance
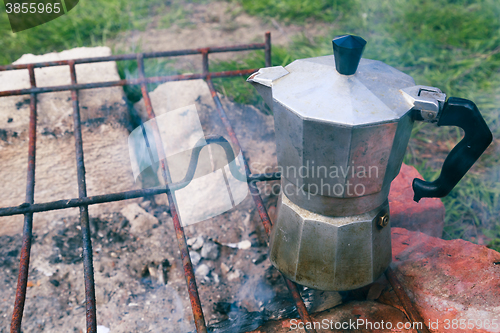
(212, 24)
(131, 295)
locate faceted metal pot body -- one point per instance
(330, 253)
(340, 142)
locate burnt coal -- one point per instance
(239, 321)
(68, 246)
(54, 282)
(260, 259)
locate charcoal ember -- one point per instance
(259, 259)
(54, 282)
(10, 251)
(68, 246)
(239, 321)
(281, 307)
(319, 300)
(154, 272)
(272, 275)
(370, 312)
(163, 269)
(255, 242)
(224, 307)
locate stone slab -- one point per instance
(426, 216)
(449, 281)
(104, 116)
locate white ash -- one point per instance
(210, 251)
(215, 276)
(234, 275)
(195, 243)
(195, 257)
(202, 271)
(243, 245)
(102, 329)
(140, 220)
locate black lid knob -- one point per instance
(347, 50)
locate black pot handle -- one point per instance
(463, 113)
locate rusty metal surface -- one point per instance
(410, 311)
(119, 196)
(267, 49)
(160, 54)
(88, 267)
(124, 82)
(199, 319)
(22, 280)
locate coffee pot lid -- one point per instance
(342, 88)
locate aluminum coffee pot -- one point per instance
(342, 126)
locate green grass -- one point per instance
(90, 23)
(299, 11)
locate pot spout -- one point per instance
(263, 80)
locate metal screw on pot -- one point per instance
(383, 220)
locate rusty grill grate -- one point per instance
(83, 201)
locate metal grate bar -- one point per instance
(199, 319)
(301, 308)
(160, 79)
(267, 49)
(119, 196)
(22, 281)
(133, 56)
(88, 269)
